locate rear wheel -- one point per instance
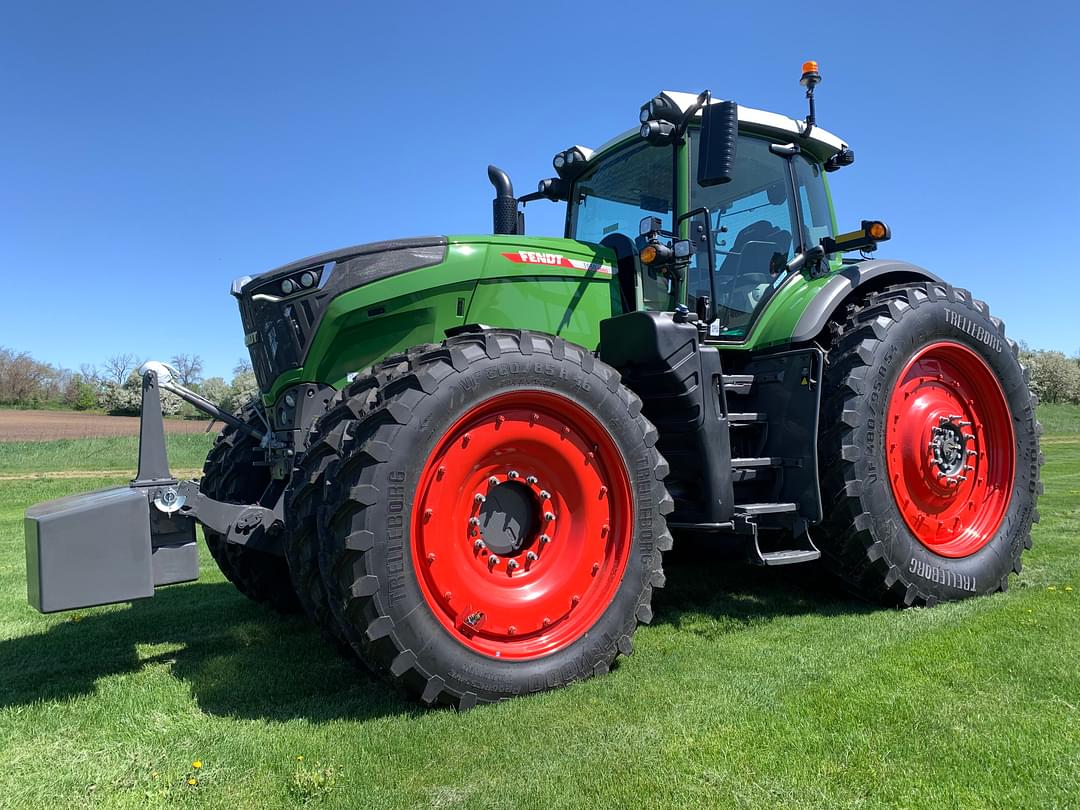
(495, 525)
(230, 475)
(930, 452)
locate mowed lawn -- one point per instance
(751, 689)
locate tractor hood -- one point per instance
(281, 308)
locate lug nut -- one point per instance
(532, 479)
(544, 539)
(493, 480)
(479, 498)
(478, 545)
(531, 556)
(549, 516)
(513, 474)
(545, 495)
(474, 521)
(512, 565)
(493, 561)
(595, 567)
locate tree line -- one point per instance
(115, 386)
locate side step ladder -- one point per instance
(746, 515)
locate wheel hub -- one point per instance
(950, 448)
(509, 516)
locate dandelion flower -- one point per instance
(1052, 588)
(1068, 587)
(193, 781)
(197, 763)
(300, 758)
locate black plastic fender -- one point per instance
(851, 278)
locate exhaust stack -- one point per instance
(504, 207)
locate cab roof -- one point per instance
(821, 143)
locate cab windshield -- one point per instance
(754, 220)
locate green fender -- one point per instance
(802, 307)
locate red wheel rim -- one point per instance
(566, 491)
(950, 451)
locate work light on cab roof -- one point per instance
(469, 454)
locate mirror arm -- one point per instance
(807, 258)
(709, 250)
(704, 97)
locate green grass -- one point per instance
(1058, 419)
(750, 689)
(187, 451)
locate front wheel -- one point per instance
(930, 451)
(496, 522)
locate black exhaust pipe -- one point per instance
(504, 207)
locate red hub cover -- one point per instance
(522, 525)
(949, 449)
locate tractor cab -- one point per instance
(745, 187)
(771, 205)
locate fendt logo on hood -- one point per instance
(554, 260)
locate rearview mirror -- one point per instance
(716, 143)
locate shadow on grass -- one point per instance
(707, 581)
(242, 660)
(238, 658)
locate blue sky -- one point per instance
(151, 152)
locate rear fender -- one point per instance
(853, 279)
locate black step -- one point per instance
(765, 508)
(737, 419)
(738, 383)
(760, 461)
(790, 557)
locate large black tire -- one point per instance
(865, 539)
(369, 571)
(230, 475)
(308, 486)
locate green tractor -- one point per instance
(471, 452)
